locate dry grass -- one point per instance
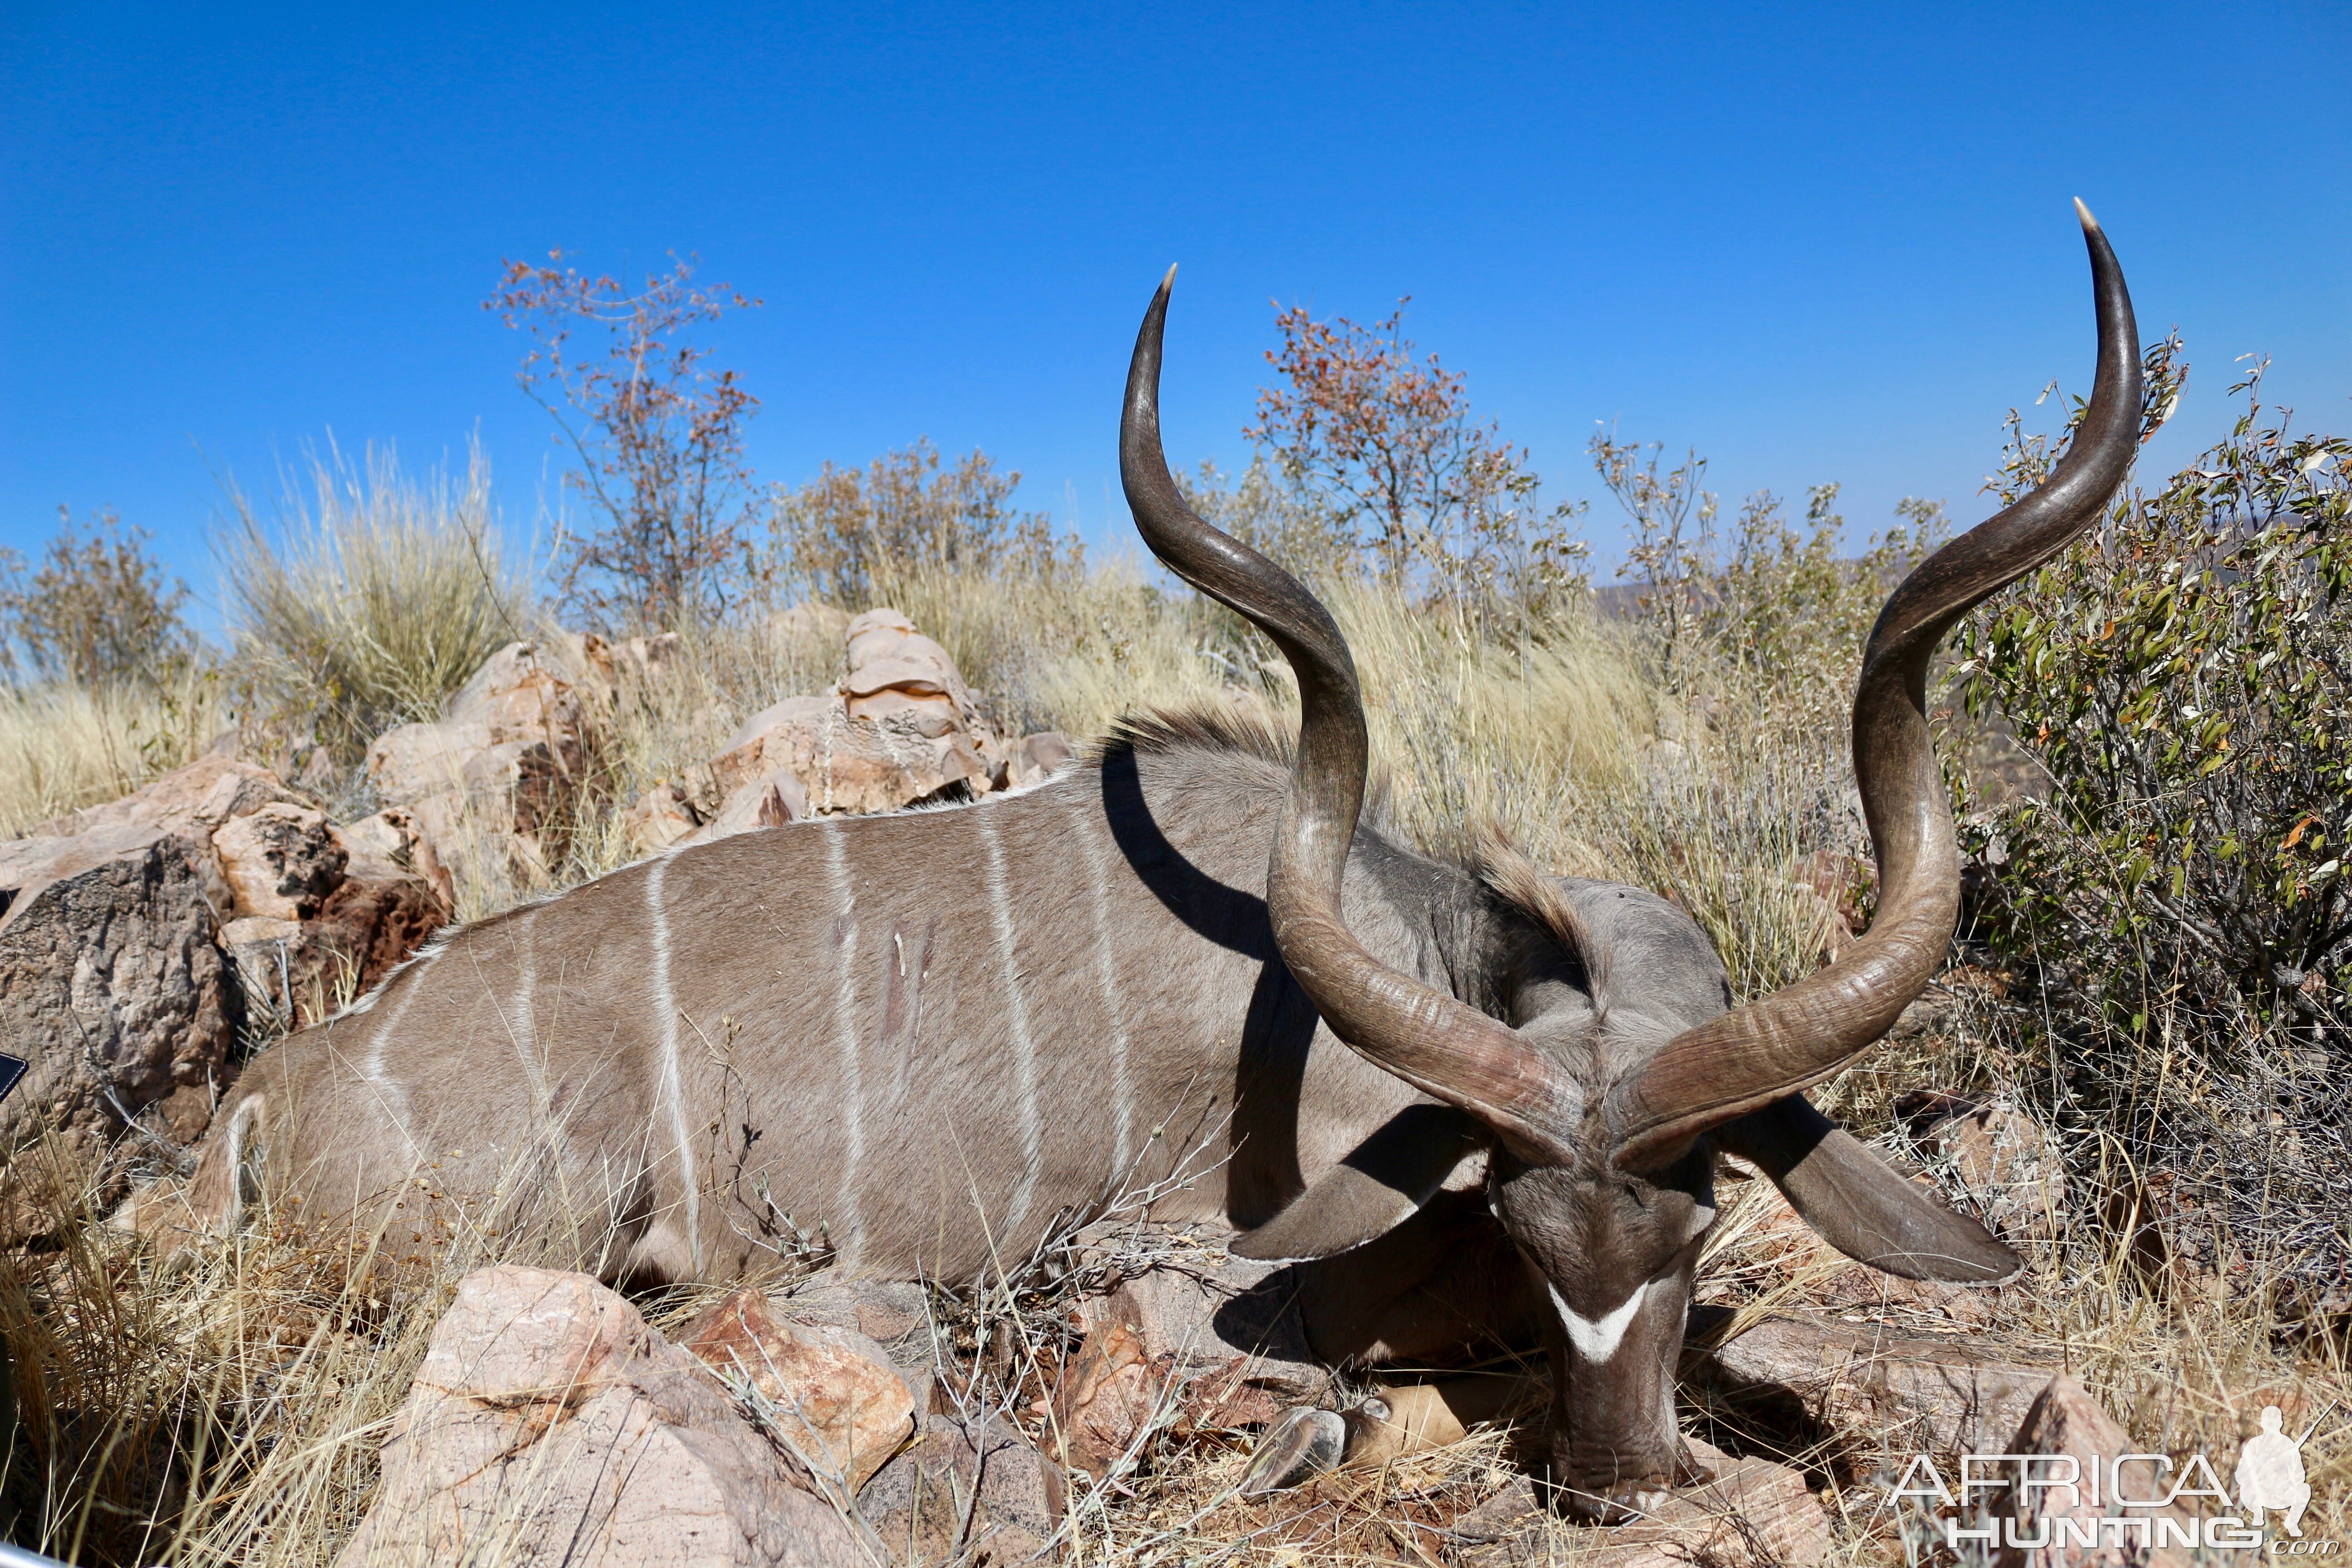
(229, 1413)
(64, 747)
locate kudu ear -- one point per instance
(1859, 1204)
(1382, 1184)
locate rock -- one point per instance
(303, 971)
(1036, 759)
(959, 1491)
(896, 1313)
(111, 985)
(1902, 1393)
(658, 818)
(494, 787)
(280, 860)
(389, 845)
(844, 765)
(769, 802)
(1107, 1396)
(549, 1424)
(2008, 1162)
(2064, 1419)
(192, 803)
(1220, 1314)
(830, 1393)
(1752, 1512)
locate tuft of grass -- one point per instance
(372, 602)
(64, 747)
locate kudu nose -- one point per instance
(1621, 1502)
(1597, 1488)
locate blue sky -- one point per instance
(1817, 242)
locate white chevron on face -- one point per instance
(1596, 1340)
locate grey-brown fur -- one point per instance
(1133, 888)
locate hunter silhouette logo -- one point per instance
(2270, 1473)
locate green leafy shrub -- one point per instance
(2176, 901)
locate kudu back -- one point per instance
(921, 1040)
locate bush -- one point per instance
(2184, 676)
(98, 611)
(374, 602)
(1783, 616)
(851, 535)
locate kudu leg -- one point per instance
(1445, 1288)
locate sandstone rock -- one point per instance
(844, 765)
(1902, 1393)
(549, 1424)
(193, 802)
(769, 802)
(2008, 1162)
(280, 860)
(2064, 1419)
(1036, 758)
(830, 1393)
(303, 971)
(494, 785)
(389, 845)
(1218, 1314)
(658, 818)
(895, 1313)
(110, 986)
(1107, 1396)
(959, 1491)
(1752, 1512)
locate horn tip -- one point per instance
(1169, 281)
(2090, 224)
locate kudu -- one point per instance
(1477, 1103)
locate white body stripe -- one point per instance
(845, 1040)
(1596, 1340)
(1115, 1017)
(1024, 1048)
(672, 1088)
(394, 1098)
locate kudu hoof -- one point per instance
(1302, 1444)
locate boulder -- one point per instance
(1751, 1511)
(2064, 1419)
(193, 803)
(1211, 1315)
(1036, 759)
(1107, 1397)
(961, 1489)
(549, 1423)
(111, 985)
(660, 817)
(829, 1394)
(843, 765)
(389, 845)
(895, 1313)
(1901, 1393)
(2008, 1161)
(302, 971)
(281, 860)
(769, 802)
(496, 785)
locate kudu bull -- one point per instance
(1477, 1103)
